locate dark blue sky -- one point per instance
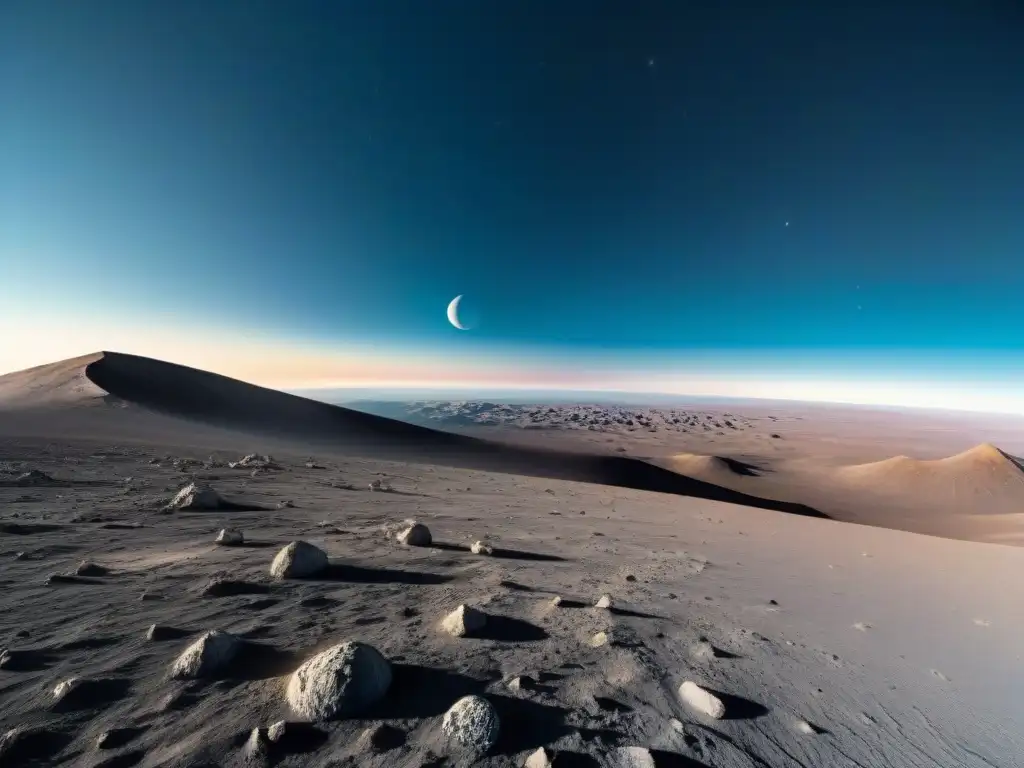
(591, 174)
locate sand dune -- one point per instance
(209, 399)
(977, 494)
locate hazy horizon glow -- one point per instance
(968, 382)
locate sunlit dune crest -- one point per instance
(984, 461)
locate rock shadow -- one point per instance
(607, 704)
(34, 746)
(298, 739)
(508, 630)
(27, 660)
(258, 661)
(55, 579)
(537, 725)
(633, 614)
(230, 588)
(116, 738)
(419, 692)
(93, 694)
(89, 644)
(361, 575)
(573, 604)
(738, 708)
(124, 760)
(161, 633)
(721, 653)
(515, 586)
(501, 553)
(575, 760)
(27, 529)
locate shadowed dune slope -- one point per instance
(213, 400)
(979, 481)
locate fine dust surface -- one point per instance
(895, 648)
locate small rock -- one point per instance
(542, 758)
(702, 700)
(230, 537)
(464, 621)
(159, 632)
(472, 722)
(521, 683)
(277, 731)
(676, 725)
(556, 601)
(299, 560)
(804, 727)
(198, 497)
(341, 681)
(116, 737)
(416, 535)
(703, 650)
(630, 577)
(600, 639)
(286, 505)
(481, 548)
(605, 601)
(64, 688)
(150, 596)
(85, 568)
(206, 656)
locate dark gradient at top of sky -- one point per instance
(592, 174)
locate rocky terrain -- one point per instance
(595, 418)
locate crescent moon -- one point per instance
(453, 313)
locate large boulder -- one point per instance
(472, 722)
(342, 681)
(206, 656)
(298, 560)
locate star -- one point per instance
(650, 62)
(787, 223)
